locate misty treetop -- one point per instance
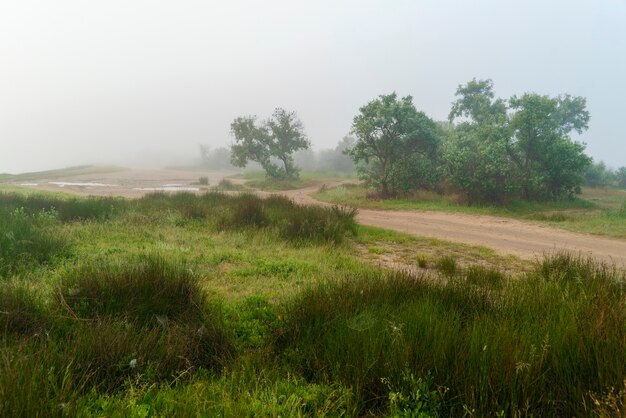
(492, 150)
(270, 143)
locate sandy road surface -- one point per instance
(509, 236)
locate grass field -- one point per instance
(596, 211)
(220, 305)
(257, 180)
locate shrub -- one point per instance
(446, 265)
(139, 289)
(149, 293)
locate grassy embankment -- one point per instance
(257, 180)
(596, 211)
(218, 305)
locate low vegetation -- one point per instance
(184, 305)
(597, 211)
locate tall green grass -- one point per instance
(277, 215)
(534, 346)
(109, 323)
(65, 208)
(28, 240)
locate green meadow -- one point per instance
(222, 305)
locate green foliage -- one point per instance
(298, 224)
(477, 163)
(389, 132)
(140, 320)
(621, 177)
(597, 175)
(421, 261)
(228, 185)
(144, 289)
(550, 163)
(27, 239)
(414, 397)
(447, 265)
(66, 209)
(246, 392)
(116, 330)
(498, 345)
(495, 152)
(333, 160)
(278, 137)
(21, 310)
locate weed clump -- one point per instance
(447, 265)
(27, 240)
(139, 289)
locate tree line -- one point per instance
(490, 149)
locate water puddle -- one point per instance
(168, 188)
(87, 184)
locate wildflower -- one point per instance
(133, 363)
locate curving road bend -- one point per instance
(509, 236)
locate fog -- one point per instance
(145, 82)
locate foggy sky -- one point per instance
(132, 82)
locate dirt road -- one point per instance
(509, 236)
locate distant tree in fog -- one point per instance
(275, 139)
(332, 159)
(217, 159)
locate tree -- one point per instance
(476, 150)
(272, 141)
(620, 177)
(495, 150)
(597, 175)
(550, 163)
(388, 131)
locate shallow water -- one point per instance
(167, 188)
(87, 184)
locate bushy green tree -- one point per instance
(496, 150)
(549, 162)
(597, 175)
(620, 177)
(272, 141)
(476, 150)
(389, 131)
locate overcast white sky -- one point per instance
(135, 81)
